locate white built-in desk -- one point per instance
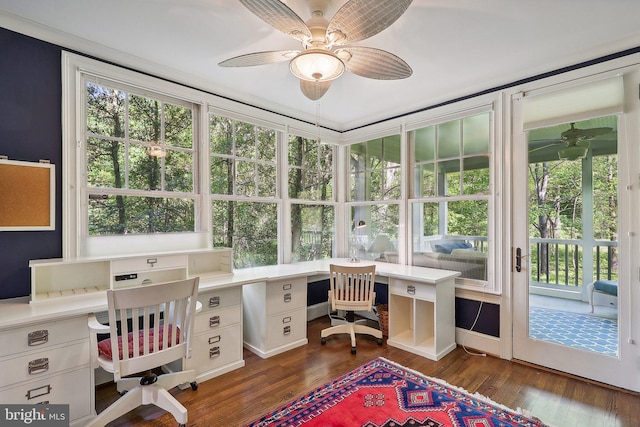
(45, 342)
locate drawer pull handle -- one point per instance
(38, 337)
(287, 297)
(213, 340)
(38, 366)
(38, 391)
(286, 287)
(286, 330)
(152, 261)
(286, 319)
(214, 321)
(214, 301)
(411, 290)
(214, 352)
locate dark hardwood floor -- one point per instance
(239, 397)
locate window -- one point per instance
(374, 232)
(376, 193)
(243, 165)
(375, 169)
(310, 182)
(452, 195)
(250, 228)
(243, 158)
(140, 159)
(573, 205)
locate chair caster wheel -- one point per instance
(353, 350)
(194, 386)
(323, 341)
(379, 341)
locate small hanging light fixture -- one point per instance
(156, 151)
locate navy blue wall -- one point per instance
(30, 130)
(318, 292)
(488, 321)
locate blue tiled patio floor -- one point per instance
(581, 331)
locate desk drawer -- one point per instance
(218, 319)
(44, 363)
(412, 289)
(134, 265)
(216, 349)
(69, 388)
(286, 295)
(42, 335)
(213, 300)
(285, 328)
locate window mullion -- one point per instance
(127, 132)
(163, 144)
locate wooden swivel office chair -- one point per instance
(158, 331)
(351, 289)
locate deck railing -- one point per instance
(560, 262)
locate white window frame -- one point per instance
(277, 198)
(288, 202)
(76, 242)
(400, 201)
(492, 285)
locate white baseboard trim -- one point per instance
(478, 342)
(317, 310)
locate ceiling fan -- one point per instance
(326, 50)
(576, 142)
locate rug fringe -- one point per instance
(518, 411)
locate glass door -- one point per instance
(566, 238)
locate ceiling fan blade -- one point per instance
(314, 90)
(259, 58)
(280, 16)
(374, 63)
(575, 133)
(360, 19)
(545, 141)
(542, 147)
(606, 137)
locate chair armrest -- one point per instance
(97, 327)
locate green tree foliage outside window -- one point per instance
(556, 212)
(131, 190)
(250, 228)
(559, 191)
(310, 178)
(243, 164)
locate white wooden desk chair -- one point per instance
(142, 345)
(351, 289)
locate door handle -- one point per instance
(518, 260)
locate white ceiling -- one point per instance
(455, 47)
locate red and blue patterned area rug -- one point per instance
(384, 394)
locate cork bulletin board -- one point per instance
(27, 196)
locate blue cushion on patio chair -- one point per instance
(607, 286)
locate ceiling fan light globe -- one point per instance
(317, 65)
(572, 152)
